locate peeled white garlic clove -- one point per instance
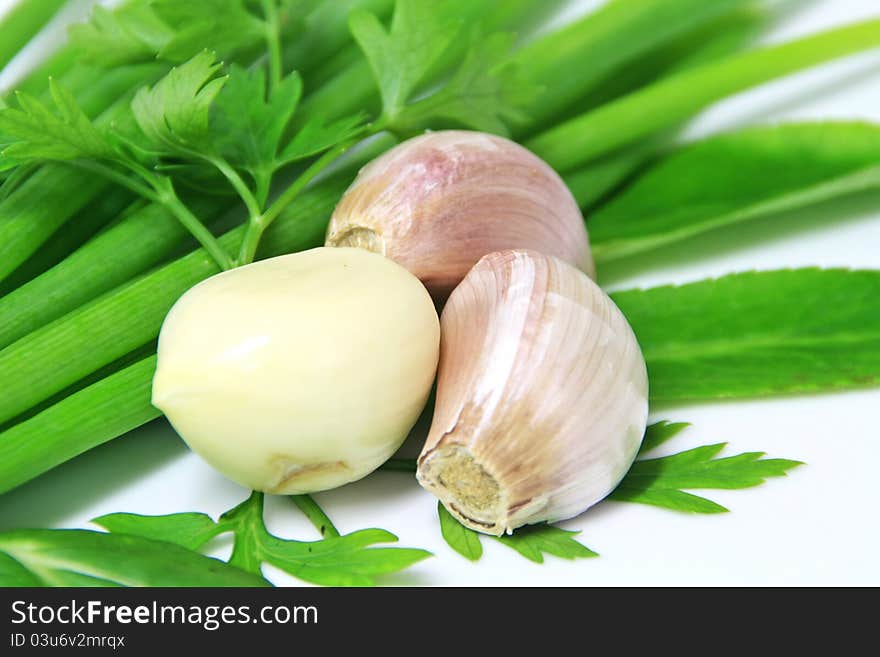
(439, 202)
(299, 373)
(542, 395)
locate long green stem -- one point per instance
(316, 515)
(258, 223)
(194, 225)
(238, 184)
(273, 43)
(674, 99)
(22, 22)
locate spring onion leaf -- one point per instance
(736, 177)
(347, 560)
(71, 557)
(758, 333)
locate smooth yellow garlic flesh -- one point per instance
(300, 373)
(542, 395)
(439, 202)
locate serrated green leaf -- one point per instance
(65, 557)
(735, 177)
(659, 481)
(658, 433)
(249, 122)
(461, 539)
(401, 57)
(317, 136)
(33, 132)
(226, 26)
(125, 35)
(174, 114)
(347, 560)
(534, 541)
(675, 500)
(759, 333)
(188, 530)
(481, 94)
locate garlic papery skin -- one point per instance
(300, 373)
(542, 395)
(439, 202)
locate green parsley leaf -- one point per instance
(483, 94)
(125, 35)
(174, 114)
(757, 333)
(36, 133)
(660, 481)
(534, 541)
(658, 433)
(317, 136)
(189, 530)
(229, 26)
(249, 123)
(401, 57)
(72, 557)
(348, 560)
(461, 539)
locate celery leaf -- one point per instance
(758, 333)
(731, 178)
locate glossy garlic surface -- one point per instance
(299, 373)
(439, 202)
(542, 395)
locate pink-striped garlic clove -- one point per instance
(438, 203)
(542, 395)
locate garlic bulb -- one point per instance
(439, 202)
(299, 373)
(542, 395)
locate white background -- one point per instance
(819, 526)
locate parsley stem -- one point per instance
(316, 515)
(273, 43)
(258, 223)
(238, 184)
(116, 176)
(192, 223)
